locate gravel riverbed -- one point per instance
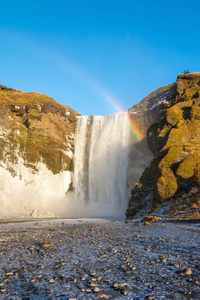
(99, 258)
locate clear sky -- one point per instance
(85, 53)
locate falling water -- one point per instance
(102, 145)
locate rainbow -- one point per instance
(111, 100)
(66, 64)
(132, 123)
(135, 129)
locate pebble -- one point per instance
(96, 289)
(115, 285)
(120, 285)
(46, 245)
(125, 292)
(102, 296)
(93, 284)
(187, 271)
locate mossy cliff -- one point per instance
(147, 112)
(35, 128)
(174, 173)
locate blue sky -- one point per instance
(79, 52)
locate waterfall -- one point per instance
(102, 145)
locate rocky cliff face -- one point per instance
(147, 112)
(36, 143)
(172, 180)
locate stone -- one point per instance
(96, 289)
(187, 271)
(147, 223)
(115, 285)
(124, 292)
(46, 245)
(93, 284)
(103, 296)
(120, 285)
(51, 281)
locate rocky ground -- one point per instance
(93, 258)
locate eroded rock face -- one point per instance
(175, 141)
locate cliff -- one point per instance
(147, 112)
(36, 144)
(171, 182)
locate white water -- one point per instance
(102, 145)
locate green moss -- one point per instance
(175, 155)
(187, 167)
(173, 115)
(195, 112)
(166, 186)
(188, 94)
(31, 116)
